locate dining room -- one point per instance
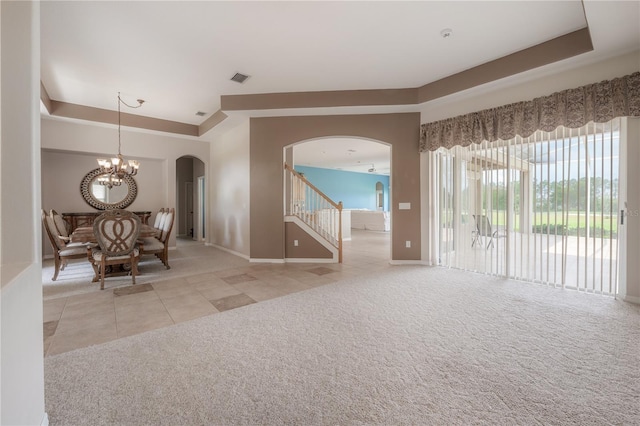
(69, 156)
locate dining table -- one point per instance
(84, 234)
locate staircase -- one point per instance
(315, 209)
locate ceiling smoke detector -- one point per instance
(239, 78)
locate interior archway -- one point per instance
(356, 172)
(190, 198)
(268, 137)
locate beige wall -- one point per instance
(268, 138)
(21, 344)
(229, 191)
(307, 248)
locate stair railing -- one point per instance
(314, 208)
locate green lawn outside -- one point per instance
(605, 222)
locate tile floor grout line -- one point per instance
(359, 264)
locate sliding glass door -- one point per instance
(541, 209)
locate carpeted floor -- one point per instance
(411, 345)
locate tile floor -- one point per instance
(87, 319)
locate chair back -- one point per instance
(117, 231)
(483, 225)
(61, 225)
(167, 225)
(163, 217)
(52, 233)
(159, 216)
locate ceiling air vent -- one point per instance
(239, 78)
(201, 114)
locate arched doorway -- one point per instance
(190, 198)
(268, 137)
(355, 171)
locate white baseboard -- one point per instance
(253, 260)
(304, 260)
(409, 262)
(244, 256)
(632, 299)
(45, 420)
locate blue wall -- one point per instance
(355, 190)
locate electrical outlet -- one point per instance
(408, 244)
(295, 243)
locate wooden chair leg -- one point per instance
(165, 258)
(134, 270)
(57, 268)
(102, 270)
(96, 273)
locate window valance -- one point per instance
(573, 108)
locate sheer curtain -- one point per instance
(542, 208)
(529, 190)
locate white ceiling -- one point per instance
(348, 154)
(179, 56)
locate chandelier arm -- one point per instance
(117, 169)
(140, 102)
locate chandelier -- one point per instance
(113, 171)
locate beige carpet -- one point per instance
(414, 345)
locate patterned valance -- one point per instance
(598, 102)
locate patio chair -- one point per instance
(484, 231)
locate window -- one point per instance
(541, 209)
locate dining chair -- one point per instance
(61, 226)
(159, 217)
(116, 232)
(62, 249)
(160, 245)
